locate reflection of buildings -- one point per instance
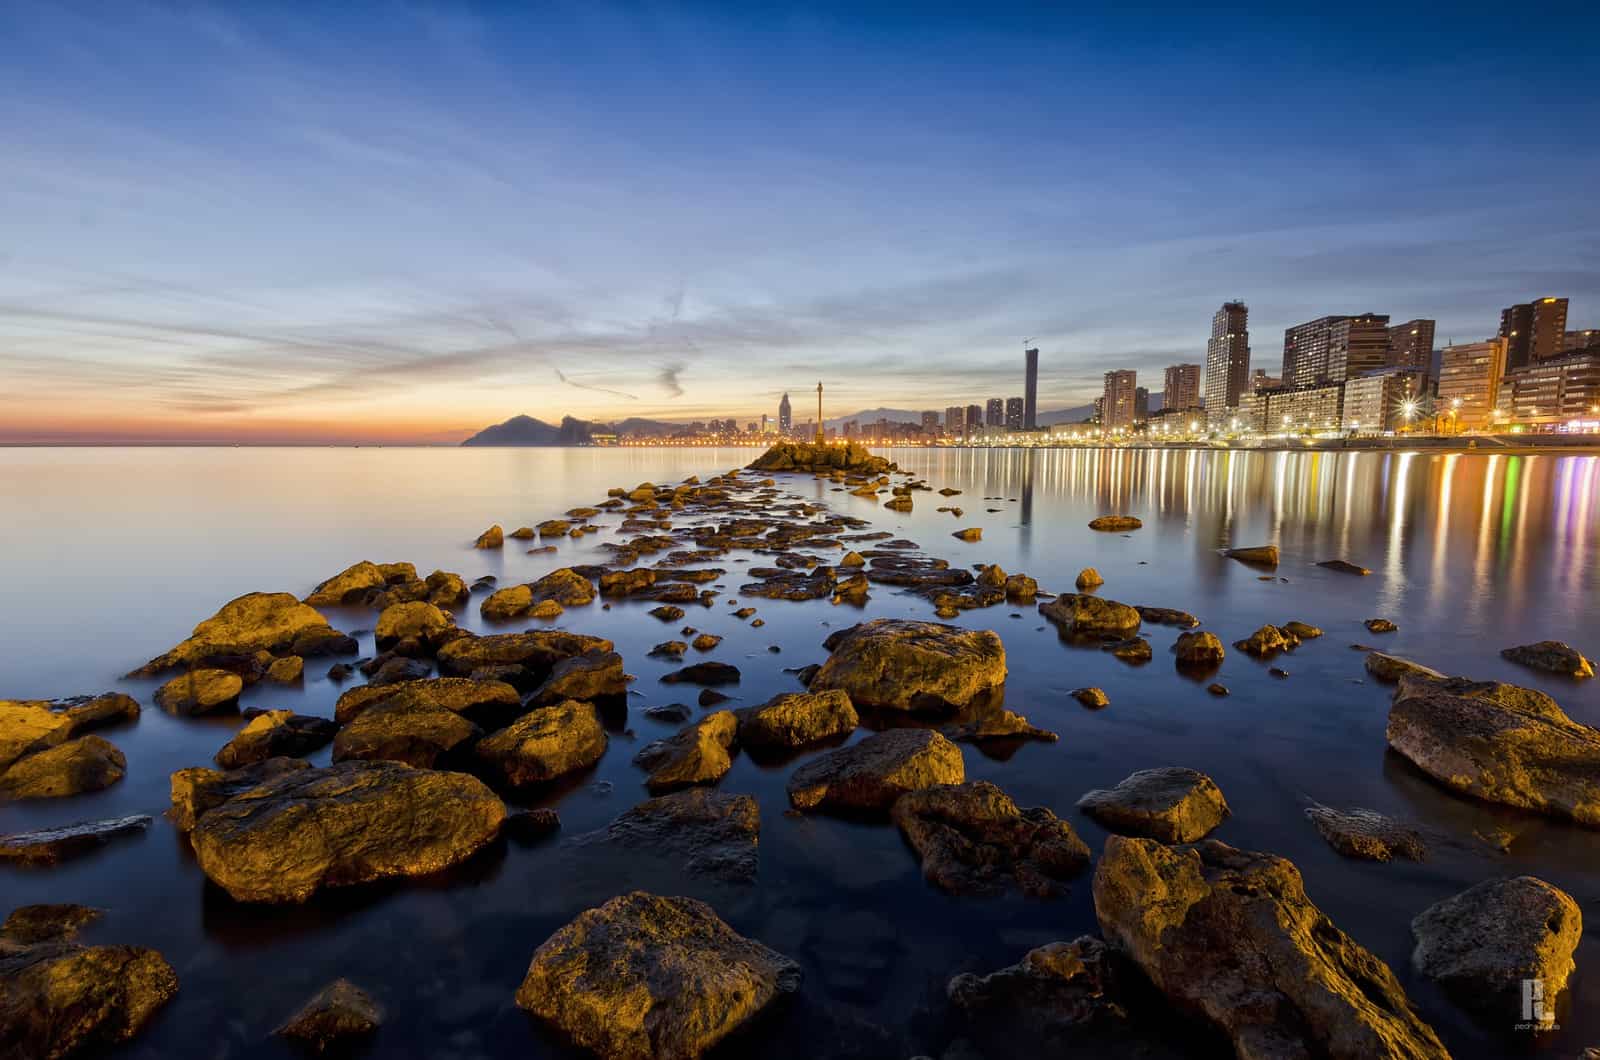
(1469, 381)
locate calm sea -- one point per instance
(112, 555)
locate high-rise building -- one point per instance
(785, 415)
(1030, 389)
(1118, 408)
(1014, 414)
(1469, 380)
(1533, 331)
(1099, 414)
(1332, 349)
(974, 420)
(1378, 402)
(1411, 345)
(1260, 380)
(930, 423)
(955, 420)
(995, 415)
(1182, 388)
(1580, 340)
(1141, 404)
(1227, 359)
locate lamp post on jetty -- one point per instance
(822, 437)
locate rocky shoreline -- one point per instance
(450, 724)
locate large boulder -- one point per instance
(643, 977)
(1551, 656)
(272, 622)
(905, 665)
(460, 695)
(1230, 937)
(794, 719)
(697, 755)
(535, 651)
(594, 676)
(29, 725)
(86, 764)
(273, 734)
(350, 823)
(1483, 944)
(868, 777)
(1199, 650)
(545, 744)
(405, 729)
(710, 833)
(796, 456)
(974, 840)
(349, 586)
(1499, 743)
(1170, 804)
(200, 692)
(415, 621)
(58, 999)
(198, 789)
(1082, 615)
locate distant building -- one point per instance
(1332, 349)
(1260, 380)
(1030, 389)
(1533, 331)
(1580, 340)
(930, 424)
(1141, 404)
(1469, 380)
(1227, 360)
(974, 420)
(955, 420)
(995, 415)
(1182, 387)
(1099, 414)
(1411, 345)
(851, 428)
(1295, 408)
(785, 416)
(1377, 402)
(1554, 390)
(1117, 400)
(1014, 414)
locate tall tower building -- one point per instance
(1411, 345)
(1533, 331)
(974, 419)
(995, 415)
(1182, 387)
(785, 415)
(1014, 414)
(954, 420)
(1227, 359)
(1332, 349)
(1120, 397)
(1030, 388)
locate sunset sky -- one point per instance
(403, 222)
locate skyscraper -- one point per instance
(1119, 397)
(1141, 404)
(1332, 349)
(996, 414)
(954, 420)
(974, 419)
(1533, 331)
(1030, 389)
(1469, 380)
(1411, 345)
(1227, 359)
(1013, 414)
(1182, 388)
(785, 415)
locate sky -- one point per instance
(402, 222)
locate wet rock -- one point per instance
(1093, 698)
(340, 672)
(852, 559)
(710, 697)
(624, 582)
(1218, 689)
(1277, 671)
(973, 839)
(349, 586)
(1089, 578)
(446, 589)
(1267, 641)
(998, 723)
(852, 590)
(643, 977)
(671, 713)
(704, 673)
(971, 533)
(564, 587)
(197, 789)
(1081, 615)
(1230, 937)
(417, 620)
(1380, 625)
(898, 664)
(594, 676)
(340, 1016)
(1391, 668)
(1551, 656)
(350, 823)
(1021, 589)
(272, 622)
(697, 755)
(50, 846)
(554, 528)
(1358, 833)
(1061, 1000)
(88, 763)
(494, 537)
(530, 826)
(1257, 555)
(1499, 743)
(669, 649)
(743, 612)
(667, 613)
(1198, 650)
(462, 695)
(273, 734)
(27, 726)
(1344, 567)
(1167, 616)
(536, 651)
(1483, 944)
(898, 504)
(390, 669)
(706, 641)
(522, 533)
(406, 729)
(1133, 650)
(200, 692)
(58, 999)
(1115, 523)
(794, 719)
(1170, 804)
(708, 832)
(28, 925)
(545, 744)
(869, 776)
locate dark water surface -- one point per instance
(111, 556)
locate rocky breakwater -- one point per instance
(797, 456)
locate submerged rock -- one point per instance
(1082, 615)
(1167, 616)
(644, 977)
(1199, 649)
(58, 999)
(869, 776)
(340, 1015)
(697, 755)
(973, 839)
(704, 673)
(1499, 743)
(998, 723)
(350, 823)
(1230, 937)
(86, 764)
(272, 622)
(275, 733)
(197, 789)
(1380, 625)
(1170, 804)
(899, 664)
(1302, 630)
(1361, 833)
(1258, 555)
(52, 845)
(711, 833)
(794, 719)
(1391, 668)
(545, 744)
(1485, 943)
(1551, 656)
(1344, 567)
(971, 533)
(1115, 523)
(1093, 698)
(27, 925)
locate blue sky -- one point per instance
(406, 221)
